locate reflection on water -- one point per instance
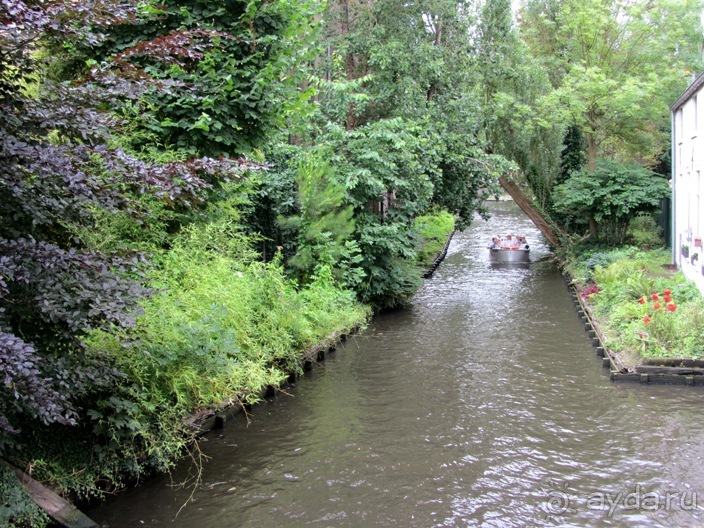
(482, 404)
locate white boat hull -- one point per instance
(509, 255)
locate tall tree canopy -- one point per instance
(400, 109)
(616, 66)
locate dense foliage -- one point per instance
(228, 98)
(90, 244)
(17, 506)
(324, 224)
(57, 169)
(612, 68)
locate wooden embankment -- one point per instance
(59, 509)
(440, 257)
(530, 210)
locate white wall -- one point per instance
(688, 189)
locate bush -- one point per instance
(433, 230)
(644, 232)
(221, 327)
(380, 166)
(611, 196)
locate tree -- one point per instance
(246, 85)
(621, 63)
(324, 225)
(512, 82)
(379, 166)
(496, 63)
(401, 109)
(415, 61)
(612, 195)
(573, 157)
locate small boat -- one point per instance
(509, 249)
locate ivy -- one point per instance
(16, 507)
(233, 76)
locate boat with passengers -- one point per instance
(509, 248)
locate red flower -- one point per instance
(668, 297)
(672, 307)
(641, 300)
(646, 319)
(655, 296)
(668, 292)
(656, 305)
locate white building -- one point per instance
(687, 182)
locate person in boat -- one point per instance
(495, 243)
(509, 242)
(521, 242)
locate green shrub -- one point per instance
(324, 225)
(644, 232)
(220, 327)
(611, 196)
(598, 259)
(223, 325)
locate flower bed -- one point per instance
(644, 308)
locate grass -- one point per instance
(433, 230)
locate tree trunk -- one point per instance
(353, 62)
(593, 229)
(437, 42)
(531, 211)
(591, 151)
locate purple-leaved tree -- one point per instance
(56, 169)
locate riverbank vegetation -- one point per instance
(195, 193)
(433, 230)
(645, 308)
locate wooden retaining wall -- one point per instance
(61, 511)
(441, 256)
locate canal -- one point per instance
(481, 404)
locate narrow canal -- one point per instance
(482, 404)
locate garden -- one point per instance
(642, 304)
